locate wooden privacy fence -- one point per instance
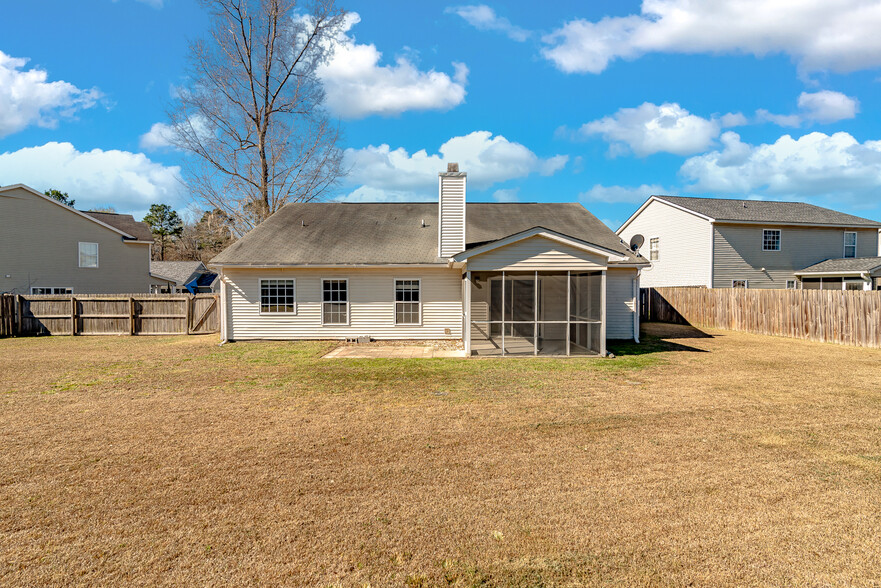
(109, 314)
(846, 317)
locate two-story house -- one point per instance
(724, 243)
(47, 247)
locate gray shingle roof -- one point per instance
(767, 211)
(124, 222)
(851, 264)
(179, 271)
(384, 233)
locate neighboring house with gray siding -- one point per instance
(49, 248)
(724, 243)
(505, 278)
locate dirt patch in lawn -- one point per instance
(712, 458)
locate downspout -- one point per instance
(636, 308)
(224, 328)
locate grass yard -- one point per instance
(734, 459)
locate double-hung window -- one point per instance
(278, 296)
(408, 302)
(654, 242)
(770, 239)
(88, 254)
(335, 302)
(850, 244)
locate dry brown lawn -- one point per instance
(731, 460)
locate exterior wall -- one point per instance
(39, 247)
(620, 303)
(537, 253)
(451, 214)
(684, 242)
(371, 304)
(738, 252)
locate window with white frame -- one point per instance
(791, 285)
(278, 296)
(88, 254)
(408, 302)
(335, 302)
(770, 239)
(850, 244)
(740, 283)
(50, 290)
(653, 248)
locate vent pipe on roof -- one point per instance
(451, 211)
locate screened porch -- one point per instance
(535, 313)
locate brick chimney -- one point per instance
(451, 211)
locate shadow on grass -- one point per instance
(656, 338)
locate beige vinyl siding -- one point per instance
(620, 303)
(537, 253)
(371, 304)
(684, 242)
(39, 247)
(452, 215)
(739, 256)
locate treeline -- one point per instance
(196, 240)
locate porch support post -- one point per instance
(503, 313)
(535, 314)
(603, 323)
(568, 307)
(466, 328)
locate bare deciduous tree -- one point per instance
(251, 116)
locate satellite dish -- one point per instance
(636, 241)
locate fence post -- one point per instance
(189, 302)
(72, 316)
(131, 315)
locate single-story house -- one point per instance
(506, 278)
(183, 276)
(733, 243)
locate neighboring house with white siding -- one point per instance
(47, 247)
(725, 243)
(505, 278)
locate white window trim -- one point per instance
(347, 303)
(53, 288)
(845, 245)
(779, 240)
(260, 301)
(794, 284)
(395, 302)
(97, 255)
(658, 250)
(745, 284)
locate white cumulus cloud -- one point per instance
(839, 36)
(827, 106)
(158, 137)
(129, 182)
(484, 18)
(652, 128)
(815, 164)
(383, 173)
(823, 107)
(358, 85)
(27, 98)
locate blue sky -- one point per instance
(601, 102)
